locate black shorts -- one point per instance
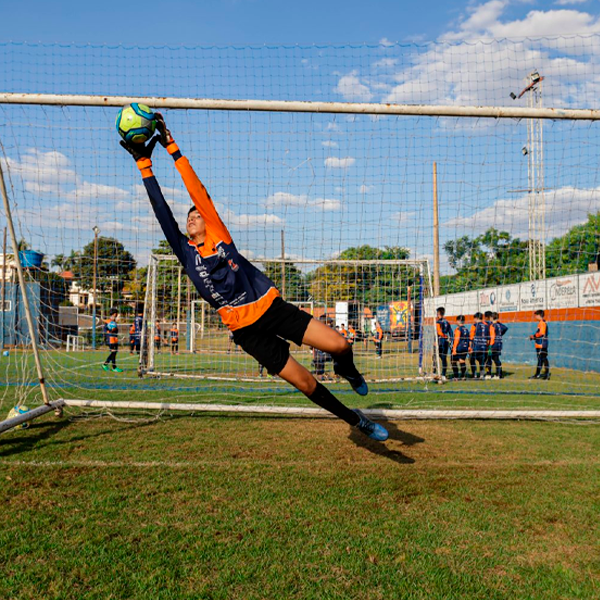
(113, 347)
(264, 340)
(459, 356)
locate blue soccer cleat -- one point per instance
(358, 383)
(371, 429)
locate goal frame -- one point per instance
(494, 112)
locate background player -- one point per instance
(460, 349)
(497, 331)
(112, 339)
(540, 337)
(247, 300)
(480, 341)
(444, 336)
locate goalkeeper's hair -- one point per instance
(192, 210)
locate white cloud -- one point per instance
(339, 163)
(386, 43)
(247, 221)
(303, 201)
(569, 2)
(401, 218)
(352, 89)
(365, 189)
(329, 144)
(565, 208)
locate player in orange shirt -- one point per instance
(247, 301)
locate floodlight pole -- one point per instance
(22, 285)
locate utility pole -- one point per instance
(96, 231)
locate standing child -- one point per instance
(460, 349)
(132, 338)
(480, 341)
(112, 339)
(378, 339)
(174, 333)
(540, 337)
(497, 331)
(444, 335)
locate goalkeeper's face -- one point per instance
(196, 227)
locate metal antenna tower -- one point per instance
(535, 170)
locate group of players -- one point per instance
(111, 336)
(482, 345)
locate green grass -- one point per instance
(248, 508)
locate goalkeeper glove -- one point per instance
(165, 138)
(139, 151)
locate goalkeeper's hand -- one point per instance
(139, 151)
(165, 138)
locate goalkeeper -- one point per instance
(247, 301)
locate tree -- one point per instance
(493, 258)
(370, 284)
(113, 266)
(574, 251)
(296, 287)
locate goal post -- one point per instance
(320, 165)
(375, 290)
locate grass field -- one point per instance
(220, 507)
(215, 507)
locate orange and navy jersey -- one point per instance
(344, 332)
(132, 333)
(174, 334)
(232, 285)
(444, 331)
(157, 332)
(541, 336)
(497, 331)
(378, 335)
(112, 333)
(461, 340)
(351, 334)
(480, 337)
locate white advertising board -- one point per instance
(532, 295)
(508, 298)
(341, 313)
(488, 300)
(563, 292)
(589, 289)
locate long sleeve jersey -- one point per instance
(232, 285)
(480, 337)
(497, 331)
(444, 331)
(461, 340)
(541, 336)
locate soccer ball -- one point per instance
(15, 412)
(136, 123)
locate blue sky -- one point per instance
(329, 182)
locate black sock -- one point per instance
(325, 399)
(455, 371)
(463, 370)
(343, 364)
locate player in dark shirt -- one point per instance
(247, 301)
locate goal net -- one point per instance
(370, 183)
(187, 339)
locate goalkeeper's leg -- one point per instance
(320, 336)
(302, 379)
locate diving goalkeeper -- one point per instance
(247, 301)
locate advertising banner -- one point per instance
(589, 289)
(508, 298)
(488, 300)
(532, 295)
(563, 292)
